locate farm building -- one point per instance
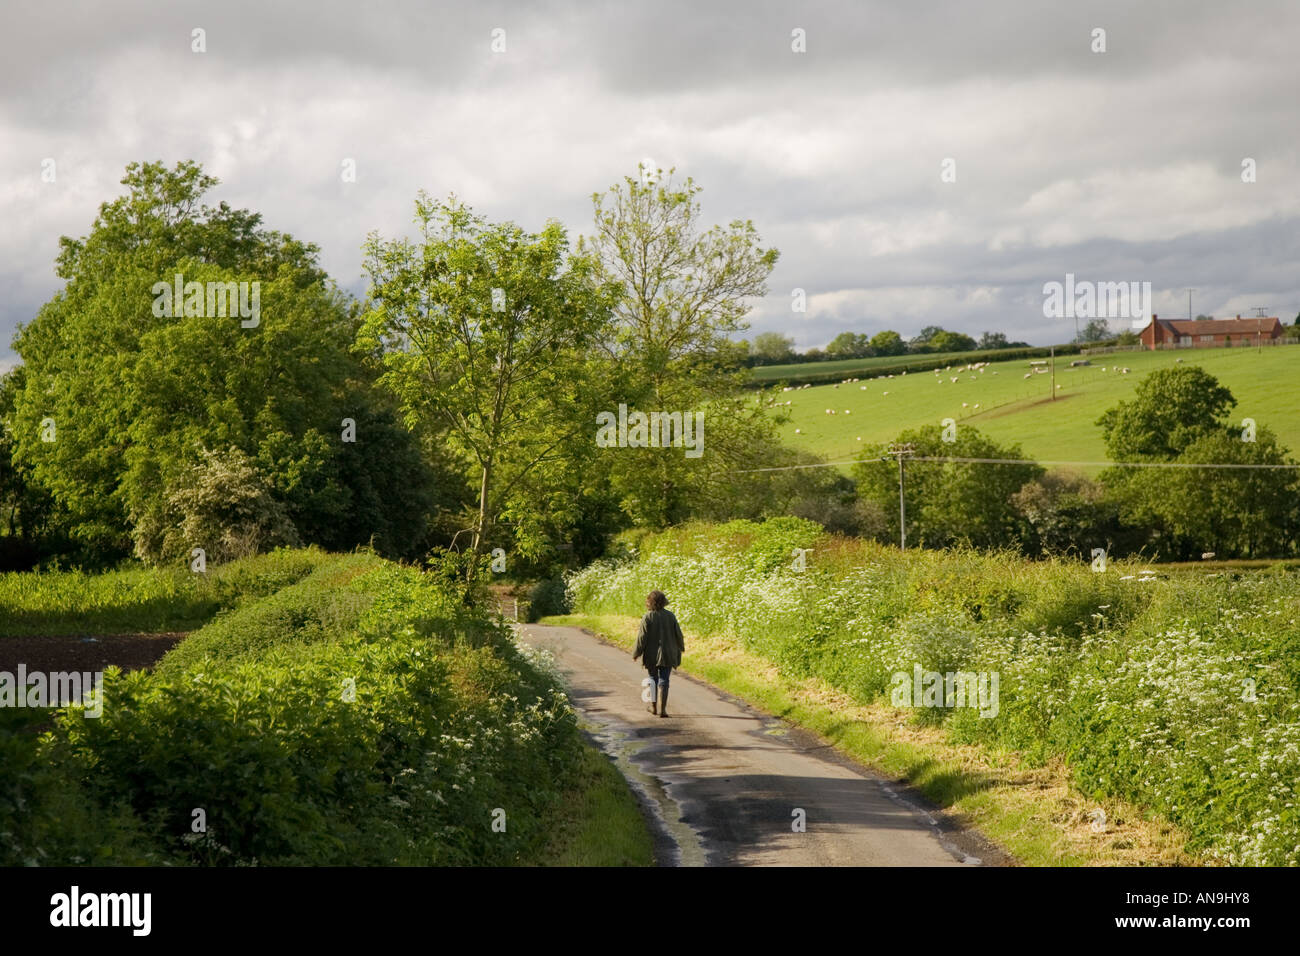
(1209, 333)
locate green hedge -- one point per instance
(310, 729)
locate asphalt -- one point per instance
(724, 784)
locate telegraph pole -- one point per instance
(1053, 367)
(901, 452)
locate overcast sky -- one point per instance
(1115, 166)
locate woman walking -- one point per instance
(659, 645)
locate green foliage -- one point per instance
(362, 717)
(135, 395)
(770, 347)
(887, 342)
(547, 598)
(140, 599)
(1177, 417)
(1069, 514)
(949, 502)
(483, 330)
(1171, 408)
(220, 504)
(1181, 694)
(683, 289)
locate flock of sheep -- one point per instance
(972, 370)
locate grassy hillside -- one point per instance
(1015, 409)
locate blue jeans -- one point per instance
(660, 676)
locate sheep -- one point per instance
(859, 438)
(1208, 554)
(1027, 374)
(955, 377)
(798, 431)
(977, 404)
(963, 404)
(862, 388)
(847, 412)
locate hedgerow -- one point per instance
(1180, 692)
(309, 728)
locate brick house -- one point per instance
(1208, 333)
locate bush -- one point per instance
(362, 716)
(547, 598)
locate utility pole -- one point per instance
(901, 452)
(1053, 367)
(1189, 302)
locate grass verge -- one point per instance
(1031, 811)
(599, 822)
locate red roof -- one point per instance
(1222, 326)
(1237, 326)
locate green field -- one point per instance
(1013, 409)
(819, 372)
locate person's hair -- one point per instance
(657, 600)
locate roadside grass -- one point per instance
(1030, 811)
(599, 822)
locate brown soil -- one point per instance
(85, 652)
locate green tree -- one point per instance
(1096, 330)
(993, 340)
(945, 341)
(849, 345)
(888, 342)
(1170, 409)
(948, 502)
(221, 504)
(486, 330)
(921, 341)
(1069, 513)
(135, 386)
(683, 289)
(1177, 418)
(772, 348)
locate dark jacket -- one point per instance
(659, 641)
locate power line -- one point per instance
(1026, 461)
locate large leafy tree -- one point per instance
(134, 398)
(949, 502)
(487, 332)
(684, 288)
(1170, 409)
(1175, 425)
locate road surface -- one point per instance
(727, 785)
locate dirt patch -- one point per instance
(85, 652)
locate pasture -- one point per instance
(1010, 408)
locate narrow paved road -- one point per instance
(728, 784)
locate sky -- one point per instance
(915, 164)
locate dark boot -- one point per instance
(663, 700)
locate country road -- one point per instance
(725, 783)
